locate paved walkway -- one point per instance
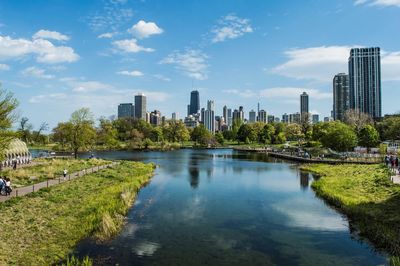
(396, 177)
(21, 191)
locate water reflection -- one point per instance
(251, 211)
(304, 180)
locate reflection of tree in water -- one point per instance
(304, 180)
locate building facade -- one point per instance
(304, 103)
(262, 116)
(341, 96)
(252, 116)
(126, 110)
(209, 117)
(194, 106)
(365, 81)
(140, 106)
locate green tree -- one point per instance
(339, 137)
(219, 137)
(293, 132)
(368, 137)
(24, 129)
(107, 135)
(176, 131)
(357, 119)
(79, 132)
(305, 124)
(280, 138)
(156, 134)
(201, 135)
(246, 133)
(8, 104)
(389, 128)
(267, 134)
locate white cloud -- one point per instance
(230, 27)
(36, 73)
(144, 29)
(107, 35)
(111, 17)
(322, 63)
(134, 73)
(131, 46)
(242, 93)
(192, 63)
(161, 77)
(4, 67)
(47, 97)
(90, 86)
(54, 35)
(380, 3)
(290, 92)
(44, 50)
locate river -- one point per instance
(222, 207)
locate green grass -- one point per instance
(47, 169)
(366, 194)
(44, 227)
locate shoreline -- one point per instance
(44, 227)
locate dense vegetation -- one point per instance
(43, 227)
(366, 194)
(43, 169)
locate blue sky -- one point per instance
(58, 56)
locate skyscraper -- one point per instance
(194, 106)
(252, 116)
(303, 103)
(341, 96)
(229, 121)
(315, 118)
(155, 118)
(126, 110)
(225, 114)
(262, 116)
(209, 117)
(140, 106)
(365, 81)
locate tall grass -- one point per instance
(366, 194)
(43, 227)
(44, 169)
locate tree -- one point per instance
(246, 133)
(339, 137)
(293, 132)
(267, 134)
(8, 104)
(201, 135)
(305, 124)
(368, 137)
(79, 131)
(37, 134)
(107, 135)
(389, 128)
(176, 131)
(219, 137)
(357, 119)
(24, 129)
(156, 134)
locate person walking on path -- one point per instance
(2, 185)
(65, 172)
(387, 160)
(8, 186)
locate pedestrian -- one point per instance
(392, 162)
(387, 160)
(2, 185)
(65, 172)
(8, 186)
(14, 164)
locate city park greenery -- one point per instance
(366, 195)
(43, 228)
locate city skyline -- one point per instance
(237, 54)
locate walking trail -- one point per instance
(21, 191)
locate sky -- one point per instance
(59, 56)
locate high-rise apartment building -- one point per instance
(365, 81)
(262, 116)
(285, 118)
(140, 106)
(194, 106)
(252, 116)
(341, 96)
(155, 118)
(209, 117)
(315, 118)
(304, 103)
(126, 110)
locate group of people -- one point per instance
(5, 186)
(392, 162)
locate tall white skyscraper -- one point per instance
(209, 117)
(140, 106)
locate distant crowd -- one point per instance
(392, 162)
(5, 186)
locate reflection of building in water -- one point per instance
(304, 180)
(194, 172)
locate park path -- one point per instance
(21, 191)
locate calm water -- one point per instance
(221, 207)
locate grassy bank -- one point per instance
(43, 169)
(43, 228)
(367, 196)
